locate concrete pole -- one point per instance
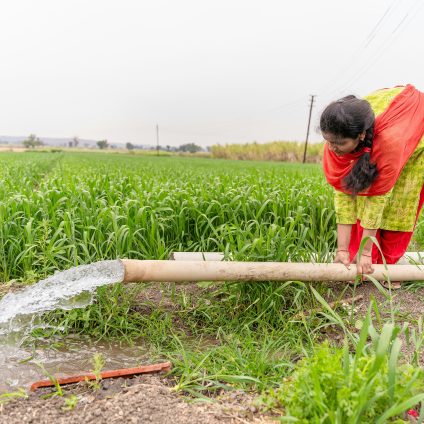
(309, 124)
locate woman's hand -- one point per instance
(364, 264)
(342, 257)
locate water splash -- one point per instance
(73, 288)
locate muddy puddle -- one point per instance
(20, 366)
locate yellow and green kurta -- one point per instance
(397, 209)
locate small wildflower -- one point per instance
(413, 413)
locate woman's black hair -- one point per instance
(348, 117)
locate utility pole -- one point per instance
(157, 140)
(309, 124)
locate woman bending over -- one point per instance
(374, 159)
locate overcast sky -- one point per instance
(221, 71)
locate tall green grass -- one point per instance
(337, 386)
(61, 210)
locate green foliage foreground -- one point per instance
(336, 386)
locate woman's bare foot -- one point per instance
(394, 285)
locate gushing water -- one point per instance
(19, 312)
(69, 289)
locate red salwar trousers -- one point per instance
(392, 243)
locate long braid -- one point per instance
(364, 172)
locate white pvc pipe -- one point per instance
(409, 258)
(175, 271)
(196, 256)
(412, 258)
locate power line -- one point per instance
(368, 40)
(374, 31)
(380, 50)
(362, 46)
(389, 40)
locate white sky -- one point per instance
(207, 72)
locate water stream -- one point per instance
(70, 289)
(19, 315)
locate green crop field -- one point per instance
(59, 210)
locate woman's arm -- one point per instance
(343, 239)
(364, 262)
(345, 207)
(371, 219)
(370, 214)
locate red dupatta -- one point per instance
(397, 132)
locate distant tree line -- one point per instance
(187, 148)
(190, 148)
(102, 144)
(33, 141)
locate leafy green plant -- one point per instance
(58, 388)
(98, 364)
(335, 385)
(278, 150)
(70, 402)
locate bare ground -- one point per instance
(143, 399)
(407, 304)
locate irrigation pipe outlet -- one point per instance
(150, 270)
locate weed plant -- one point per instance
(337, 386)
(98, 362)
(10, 396)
